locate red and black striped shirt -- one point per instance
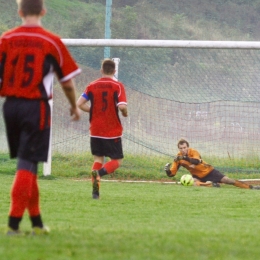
(29, 57)
(105, 95)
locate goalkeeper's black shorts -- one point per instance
(213, 176)
(111, 148)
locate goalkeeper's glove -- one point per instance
(178, 158)
(188, 159)
(192, 160)
(167, 168)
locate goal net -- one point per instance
(206, 92)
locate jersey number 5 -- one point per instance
(104, 101)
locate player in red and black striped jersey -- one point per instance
(29, 58)
(106, 97)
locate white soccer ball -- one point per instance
(187, 180)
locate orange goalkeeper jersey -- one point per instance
(201, 170)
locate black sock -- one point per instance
(13, 222)
(36, 221)
(102, 172)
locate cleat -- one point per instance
(95, 196)
(95, 184)
(40, 231)
(255, 187)
(215, 184)
(12, 232)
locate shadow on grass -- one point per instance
(48, 178)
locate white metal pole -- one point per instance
(47, 165)
(116, 60)
(163, 43)
(107, 27)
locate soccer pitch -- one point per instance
(136, 221)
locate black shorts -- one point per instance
(111, 148)
(214, 176)
(28, 128)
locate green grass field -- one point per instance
(136, 221)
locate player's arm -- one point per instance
(83, 103)
(194, 159)
(123, 109)
(171, 168)
(69, 91)
(1, 63)
(122, 103)
(1, 72)
(191, 160)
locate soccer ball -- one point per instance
(187, 180)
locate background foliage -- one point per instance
(148, 19)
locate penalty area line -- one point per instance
(129, 181)
(161, 182)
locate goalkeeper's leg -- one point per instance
(205, 184)
(236, 183)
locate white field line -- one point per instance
(129, 181)
(161, 182)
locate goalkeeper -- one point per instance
(203, 173)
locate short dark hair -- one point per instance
(183, 141)
(30, 7)
(108, 66)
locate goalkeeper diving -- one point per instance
(203, 174)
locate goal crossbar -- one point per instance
(163, 43)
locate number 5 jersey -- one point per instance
(105, 95)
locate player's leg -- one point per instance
(110, 166)
(212, 179)
(38, 227)
(33, 148)
(111, 148)
(236, 183)
(25, 195)
(205, 184)
(95, 177)
(19, 197)
(34, 204)
(198, 182)
(97, 150)
(114, 150)
(98, 162)
(98, 170)
(20, 193)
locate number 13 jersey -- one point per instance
(105, 95)
(29, 57)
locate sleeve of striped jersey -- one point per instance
(68, 65)
(1, 62)
(122, 96)
(85, 96)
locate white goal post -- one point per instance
(151, 44)
(47, 165)
(162, 43)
